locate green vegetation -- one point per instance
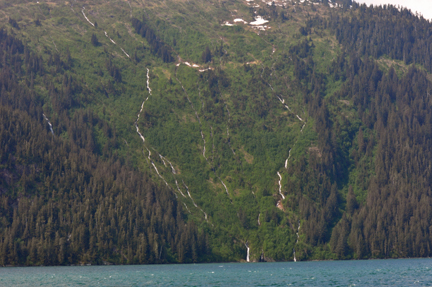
(150, 132)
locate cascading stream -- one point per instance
(228, 135)
(186, 207)
(196, 114)
(49, 123)
(187, 189)
(178, 188)
(187, 96)
(226, 189)
(142, 107)
(286, 161)
(139, 133)
(247, 254)
(163, 159)
(297, 233)
(106, 34)
(280, 185)
(204, 148)
(86, 17)
(112, 41)
(125, 53)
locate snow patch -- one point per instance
(240, 20)
(227, 24)
(203, 70)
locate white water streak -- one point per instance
(178, 188)
(297, 233)
(196, 114)
(148, 152)
(172, 167)
(162, 158)
(142, 107)
(126, 53)
(286, 161)
(142, 137)
(204, 149)
(49, 123)
(157, 171)
(86, 17)
(187, 189)
(299, 118)
(136, 122)
(281, 100)
(226, 189)
(280, 186)
(186, 207)
(106, 34)
(247, 254)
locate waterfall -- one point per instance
(247, 254)
(49, 123)
(280, 186)
(86, 17)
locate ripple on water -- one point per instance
(402, 272)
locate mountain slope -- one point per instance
(278, 131)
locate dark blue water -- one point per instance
(401, 272)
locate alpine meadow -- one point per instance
(191, 131)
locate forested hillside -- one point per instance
(175, 131)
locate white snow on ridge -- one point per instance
(240, 20)
(259, 23)
(227, 24)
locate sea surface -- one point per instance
(399, 272)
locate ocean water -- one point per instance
(400, 272)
